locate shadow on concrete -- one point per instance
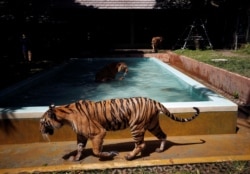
(151, 145)
(6, 124)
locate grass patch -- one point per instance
(237, 61)
(245, 49)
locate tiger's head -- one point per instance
(49, 121)
(122, 67)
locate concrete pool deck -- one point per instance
(48, 156)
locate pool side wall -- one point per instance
(26, 130)
(229, 82)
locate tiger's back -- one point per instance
(113, 114)
(122, 113)
(117, 114)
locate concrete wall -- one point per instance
(20, 131)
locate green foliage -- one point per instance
(245, 49)
(239, 167)
(236, 95)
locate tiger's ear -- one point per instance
(52, 106)
(118, 67)
(51, 109)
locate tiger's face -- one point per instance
(122, 67)
(49, 122)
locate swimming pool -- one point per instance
(148, 77)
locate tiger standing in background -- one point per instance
(91, 120)
(156, 43)
(109, 72)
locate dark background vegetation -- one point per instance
(58, 29)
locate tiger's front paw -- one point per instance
(73, 156)
(77, 157)
(159, 150)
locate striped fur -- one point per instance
(91, 120)
(109, 72)
(156, 43)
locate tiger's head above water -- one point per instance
(109, 72)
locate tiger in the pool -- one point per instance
(109, 72)
(91, 120)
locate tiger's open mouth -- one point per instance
(45, 129)
(49, 131)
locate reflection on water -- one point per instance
(77, 81)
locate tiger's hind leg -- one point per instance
(156, 130)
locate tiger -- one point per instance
(156, 43)
(91, 120)
(109, 72)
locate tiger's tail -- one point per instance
(179, 119)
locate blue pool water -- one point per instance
(147, 77)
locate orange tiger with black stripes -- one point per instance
(156, 43)
(91, 120)
(109, 72)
